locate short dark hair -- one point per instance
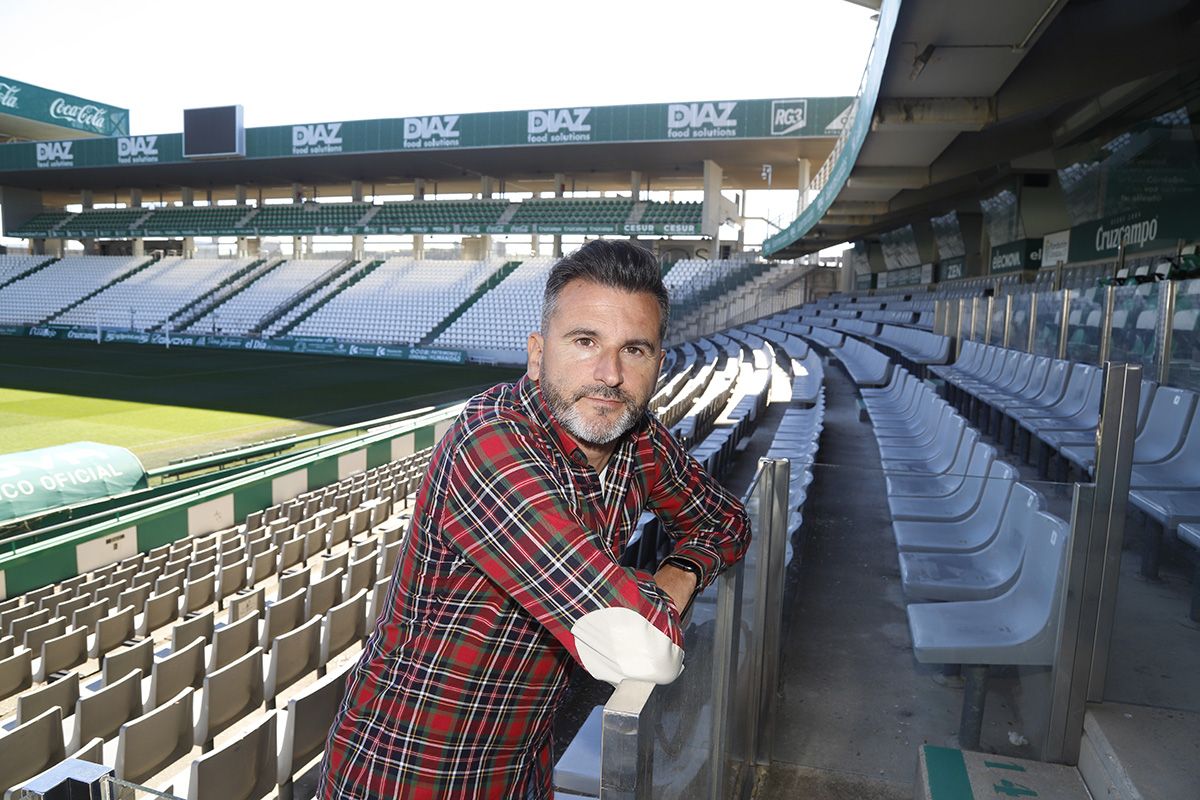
(609, 262)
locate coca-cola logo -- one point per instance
(8, 95)
(88, 114)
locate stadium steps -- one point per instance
(299, 297)
(370, 215)
(350, 276)
(203, 299)
(21, 275)
(244, 222)
(479, 292)
(635, 215)
(222, 292)
(105, 287)
(507, 216)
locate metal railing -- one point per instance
(708, 733)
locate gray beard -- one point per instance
(600, 432)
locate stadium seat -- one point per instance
(230, 693)
(61, 694)
(156, 739)
(282, 616)
(111, 632)
(31, 747)
(198, 627)
(119, 663)
(16, 673)
(175, 672)
(306, 727)
(293, 655)
(233, 641)
(161, 609)
(970, 533)
(244, 769)
(323, 595)
(102, 713)
(62, 653)
(343, 625)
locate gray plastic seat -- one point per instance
(230, 693)
(19, 626)
(1161, 433)
(984, 573)
(1168, 507)
(293, 655)
(112, 631)
(1177, 471)
(198, 592)
(156, 739)
(62, 653)
(282, 616)
(102, 713)
(309, 717)
(1017, 628)
(233, 641)
(31, 747)
(957, 503)
(1057, 374)
(244, 769)
(969, 533)
(160, 609)
(183, 668)
(942, 485)
(61, 694)
(323, 595)
(291, 553)
(344, 624)
(1082, 385)
(120, 663)
(200, 627)
(16, 673)
(37, 636)
(937, 459)
(231, 579)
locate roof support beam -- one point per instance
(852, 208)
(889, 178)
(934, 113)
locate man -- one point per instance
(510, 570)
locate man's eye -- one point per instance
(635, 351)
(584, 341)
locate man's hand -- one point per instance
(677, 583)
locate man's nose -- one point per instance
(608, 368)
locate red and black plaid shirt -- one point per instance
(514, 539)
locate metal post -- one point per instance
(1064, 324)
(1032, 333)
(1164, 333)
(1093, 566)
(770, 601)
(1110, 304)
(725, 657)
(987, 329)
(1008, 312)
(626, 743)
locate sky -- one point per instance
(308, 61)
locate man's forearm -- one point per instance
(679, 584)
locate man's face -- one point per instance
(598, 360)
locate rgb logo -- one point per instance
(788, 116)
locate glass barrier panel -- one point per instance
(1184, 369)
(996, 323)
(1133, 325)
(1084, 324)
(1018, 329)
(980, 321)
(1047, 326)
(111, 788)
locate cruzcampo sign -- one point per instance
(1150, 228)
(52, 477)
(26, 101)
(787, 118)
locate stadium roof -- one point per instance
(968, 99)
(32, 112)
(596, 148)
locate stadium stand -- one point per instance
(400, 301)
(52, 290)
(559, 211)
(192, 220)
(149, 297)
(500, 322)
(13, 267)
(245, 310)
(438, 213)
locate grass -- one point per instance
(168, 404)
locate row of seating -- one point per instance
(209, 687)
(982, 564)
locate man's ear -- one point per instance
(533, 365)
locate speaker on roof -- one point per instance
(214, 133)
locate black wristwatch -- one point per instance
(687, 565)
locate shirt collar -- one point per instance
(530, 392)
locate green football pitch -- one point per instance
(168, 404)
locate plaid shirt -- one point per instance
(514, 539)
